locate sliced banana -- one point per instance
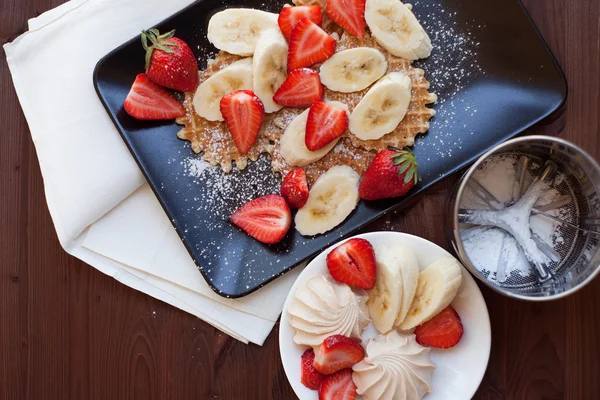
(385, 299)
(397, 30)
(207, 98)
(331, 199)
(438, 285)
(382, 108)
(269, 67)
(292, 144)
(353, 70)
(409, 269)
(236, 30)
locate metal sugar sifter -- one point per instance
(558, 264)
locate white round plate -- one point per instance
(459, 370)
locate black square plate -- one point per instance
(491, 70)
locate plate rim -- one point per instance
(285, 318)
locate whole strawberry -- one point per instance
(170, 61)
(391, 174)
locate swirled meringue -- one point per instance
(322, 307)
(396, 367)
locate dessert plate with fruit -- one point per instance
(268, 130)
(385, 315)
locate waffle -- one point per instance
(214, 141)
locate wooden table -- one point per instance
(69, 332)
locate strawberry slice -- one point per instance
(309, 376)
(301, 88)
(289, 16)
(294, 188)
(148, 101)
(349, 14)
(309, 45)
(336, 353)
(325, 123)
(267, 218)
(243, 113)
(353, 263)
(338, 386)
(442, 331)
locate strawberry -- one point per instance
(349, 14)
(336, 353)
(301, 88)
(338, 386)
(309, 45)
(325, 123)
(294, 188)
(148, 101)
(289, 16)
(170, 61)
(310, 377)
(442, 331)
(390, 174)
(243, 113)
(353, 263)
(267, 218)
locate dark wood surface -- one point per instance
(69, 332)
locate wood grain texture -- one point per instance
(69, 332)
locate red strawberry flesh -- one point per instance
(309, 45)
(301, 88)
(289, 16)
(353, 263)
(336, 353)
(148, 101)
(243, 113)
(267, 218)
(310, 377)
(349, 14)
(325, 124)
(443, 331)
(169, 61)
(294, 188)
(338, 386)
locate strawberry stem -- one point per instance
(407, 164)
(157, 41)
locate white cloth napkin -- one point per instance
(103, 211)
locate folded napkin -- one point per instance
(103, 211)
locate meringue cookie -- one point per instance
(322, 307)
(396, 367)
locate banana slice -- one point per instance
(385, 299)
(353, 70)
(382, 108)
(331, 199)
(269, 67)
(409, 268)
(207, 99)
(438, 285)
(292, 144)
(397, 30)
(236, 30)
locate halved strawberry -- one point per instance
(267, 218)
(294, 188)
(337, 352)
(148, 101)
(309, 45)
(338, 386)
(325, 123)
(442, 331)
(349, 14)
(301, 88)
(353, 263)
(289, 16)
(243, 113)
(309, 376)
